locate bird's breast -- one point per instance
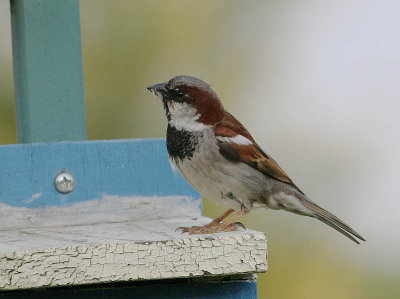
(198, 159)
(181, 144)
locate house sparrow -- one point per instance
(217, 155)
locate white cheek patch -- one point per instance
(184, 117)
(239, 139)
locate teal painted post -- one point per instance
(48, 76)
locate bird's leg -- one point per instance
(228, 225)
(208, 228)
(221, 217)
(216, 225)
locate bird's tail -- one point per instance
(331, 220)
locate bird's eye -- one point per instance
(180, 94)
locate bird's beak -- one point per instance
(160, 87)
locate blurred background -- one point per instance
(316, 82)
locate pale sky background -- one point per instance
(334, 75)
(332, 71)
(320, 92)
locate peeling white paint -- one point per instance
(44, 257)
(34, 196)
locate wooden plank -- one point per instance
(103, 170)
(48, 75)
(239, 287)
(111, 167)
(115, 252)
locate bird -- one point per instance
(217, 155)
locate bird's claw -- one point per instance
(211, 228)
(186, 229)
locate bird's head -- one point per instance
(190, 104)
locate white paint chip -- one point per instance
(34, 196)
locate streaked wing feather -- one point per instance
(254, 156)
(250, 154)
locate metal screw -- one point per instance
(64, 182)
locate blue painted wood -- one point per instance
(112, 167)
(239, 289)
(48, 74)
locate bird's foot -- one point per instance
(211, 228)
(233, 227)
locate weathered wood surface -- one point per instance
(103, 210)
(134, 167)
(125, 251)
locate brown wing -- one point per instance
(250, 153)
